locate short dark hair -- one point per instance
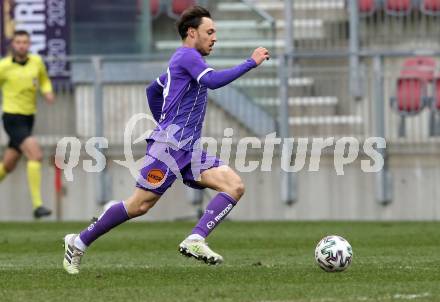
(191, 17)
(21, 33)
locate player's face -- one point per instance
(206, 36)
(21, 45)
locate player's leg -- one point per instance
(15, 129)
(223, 179)
(139, 203)
(32, 150)
(230, 189)
(10, 159)
(154, 181)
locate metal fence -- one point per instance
(319, 100)
(324, 79)
(410, 26)
(241, 26)
(99, 101)
(331, 25)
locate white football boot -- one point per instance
(72, 255)
(199, 249)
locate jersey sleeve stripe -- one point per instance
(203, 73)
(160, 84)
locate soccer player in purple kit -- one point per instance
(178, 102)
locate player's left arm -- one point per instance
(216, 79)
(45, 83)
(213, 79)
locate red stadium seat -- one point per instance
(155, 8)
(398, 7)
(179, 6)
(437, 94)
(410, 99)
(419, 67)
(434, 119)
(410, 94)
(366, 7)
(418, 61)
(430, 7)
(412, 87)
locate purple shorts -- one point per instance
(164, 164)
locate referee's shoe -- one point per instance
(41, 212)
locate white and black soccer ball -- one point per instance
(333, 254)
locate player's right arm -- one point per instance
(155, 96)
(45, 83)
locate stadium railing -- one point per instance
(103, 93)
(108, 93)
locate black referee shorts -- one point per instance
(18, 127)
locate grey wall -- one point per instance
(322, 195)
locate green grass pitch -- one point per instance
(264, 261)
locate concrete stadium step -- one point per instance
(232, 45)
(326, 120)
(304, 29)
(301, 101)
(302, 106)
(274, 5)
(325, 10)
(273, 82)
(239, 46)
(270, 87)
(318, 126)
(221, 63)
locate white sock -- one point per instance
(79, 244)
(195, 237)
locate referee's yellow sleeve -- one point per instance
(2, 73)
(43, 79)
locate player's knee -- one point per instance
(9, 167)
(238, 189)
(235, 187)
(232, 184)
(36, 156)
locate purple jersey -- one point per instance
(182, 95)
(185, 99)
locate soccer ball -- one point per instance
(333, 254)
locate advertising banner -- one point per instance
(47, 21)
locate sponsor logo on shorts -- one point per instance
(155, 176)
(223, 213)
(210, 224)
